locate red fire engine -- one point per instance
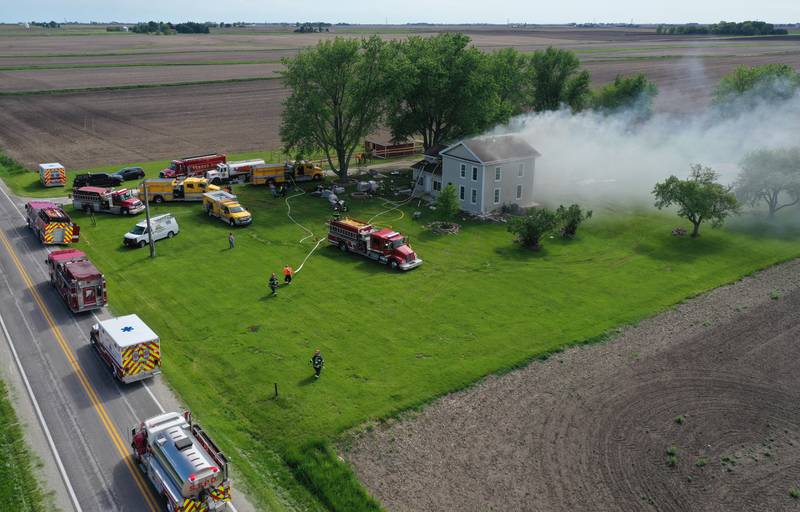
(98, 199)
(50, 223)
(77, 280)
(193, 166)
(380, 244)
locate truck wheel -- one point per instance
(141, 244)
(87, 209)
(231, 222)
(394, 264)
(317, 177)
(208, 211)
(158, 199)
(342, 246)
(170, 234)
(124, 211)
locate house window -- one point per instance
(474, 197)
(498, 173)
(519, 191)
(461, 192)
(474, 173)
(437, 186)
(463, 170)
(521, 170)
(496, 196)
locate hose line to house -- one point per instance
(395, 206)
(304, 228)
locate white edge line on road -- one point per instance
(40, 417)
(36, 405)
(146, 387)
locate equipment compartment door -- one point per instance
(89, 296)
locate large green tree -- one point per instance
(769, 175)
(768, 82)
(339, 92)
(699, 198)
(443, 90)
(634, 93)
(557, 80)
(511, 72)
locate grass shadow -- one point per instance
(518, 253)
(306, 381)
(682, 248)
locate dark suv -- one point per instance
(98, 179)
(130, 173)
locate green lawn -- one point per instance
(19, 487)
(392, 341)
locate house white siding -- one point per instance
(508, 183)
(451, 173)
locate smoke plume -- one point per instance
(604, 160)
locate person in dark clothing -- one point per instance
(273, 284)
(317, 362)
(231, 241)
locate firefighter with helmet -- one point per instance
(317, 362)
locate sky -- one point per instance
(406, 11)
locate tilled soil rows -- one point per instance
(694, 409)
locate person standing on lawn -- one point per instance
(287, 274)
(231, 241)
(273, 284)
(317, 362)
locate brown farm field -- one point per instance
(131, 117)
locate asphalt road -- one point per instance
(83, 414)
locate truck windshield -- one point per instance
(173, 166)
(398, 243)
(138, 230)
(236, 209)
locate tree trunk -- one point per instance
(341, 155)
(696, 230)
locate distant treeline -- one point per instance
(723, 28)
(312, 27)
(160, 27)
(46, 24)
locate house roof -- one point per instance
(497, 148)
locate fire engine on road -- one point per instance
(182, 462)
(380, 244)
(192, 166)
(50, 223)
(77, 280)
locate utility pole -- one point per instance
(147, 216)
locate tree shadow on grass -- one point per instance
(682, 248)
(517, 252)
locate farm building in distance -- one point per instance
(386, 148)
(488, 172)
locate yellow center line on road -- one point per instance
(98, 407)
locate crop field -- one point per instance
(19, 487)
(87, 98)
(391, 341)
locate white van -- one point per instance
(163, 226)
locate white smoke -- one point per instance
(597, 159)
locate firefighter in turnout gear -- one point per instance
(317, 362)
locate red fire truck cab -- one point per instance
(50, 223)
(77, 280)
(380, 244)
(193, 165)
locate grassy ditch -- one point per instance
(37, 67)
(19, 487)
(392, 341)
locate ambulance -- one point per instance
(128, 346)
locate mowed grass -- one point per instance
(19, 487)
(392, 341)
